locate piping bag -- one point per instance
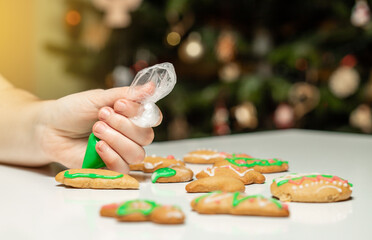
(162, 77)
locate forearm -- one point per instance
(19, 127)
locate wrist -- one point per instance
(21, 132)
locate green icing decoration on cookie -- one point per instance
(91, 158)
(127, 207)
(243, 162)
(236, 201)
(316, 176)
(206, 195)
(162, 172)
(90, 175)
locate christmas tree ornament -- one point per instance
(304, 97)
(122, 76)
(246, 115)
(229, 72)
(95, 35)
(344, 81)
(262, 42)
(191, 50)
(173, 39)
(284, 116)
(73, 18)
(360, 15)
(178, 128)
(117, 12)
(226, 46)
(220, 120)
(361, 118)
(348, 61)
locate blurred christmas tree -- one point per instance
(241, 65)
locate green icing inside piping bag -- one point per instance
(91, 158)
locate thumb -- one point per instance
(110, 96)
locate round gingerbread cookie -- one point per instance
(216, 183)
(260, 165)
(239, 204)
(152, 163)
(311, 187)
(244, 174)
(96, 178)
(172, 175)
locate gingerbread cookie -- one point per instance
(313, 187)
(239, 204)
(260, 165)
(244, 174)
(96, 178)
(109, 210)
(152, 163)
(174, 174)
(207, 156)
(143, 210)
(215, 183)
(204, 156)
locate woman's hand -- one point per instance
(67, 122)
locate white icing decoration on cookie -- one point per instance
(293, 175)
(205, 156)
(148, 165)
(211, 171)
(262, 203)
(323, 187)
(174, 214)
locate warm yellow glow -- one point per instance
(173, 38)
(73, 17)
(194, 49)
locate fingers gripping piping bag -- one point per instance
(150, 85)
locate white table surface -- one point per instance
(34, 206)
